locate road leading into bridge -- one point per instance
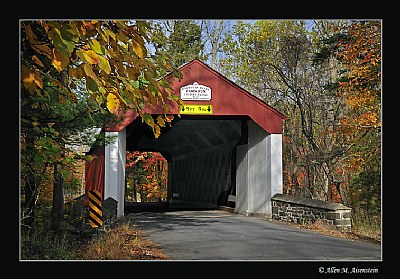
(222, 236)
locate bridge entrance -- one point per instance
(224, 147)
(201, 156)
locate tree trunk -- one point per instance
(30, 190)
(337, 184)
(28, 217)
(58, 198)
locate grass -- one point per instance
(367, 228)
(121, 242)
(360, 230)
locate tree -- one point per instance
(357, 48)
(59, 60)
(359, 51)
(179, 39)
(147, 174)
(271, 59)
(214, 33)
(276, 61)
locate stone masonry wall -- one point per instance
(78, 215)
(305, 211)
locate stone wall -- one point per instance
(78, 215)
(306, 211)
(109, 211)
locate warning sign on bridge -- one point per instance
(95, 212)
(196, 109)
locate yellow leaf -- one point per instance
(91, 56)
(89, 72)
(112, 103)
(160, 121)
(104, 65)
(146, 117)
(57, 65)
(137, 48)
(95, 45)
(157, 131)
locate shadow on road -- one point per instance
(135, 207)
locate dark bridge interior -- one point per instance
(201, 156)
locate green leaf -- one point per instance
(45, 142)
(91, 85)
(148, 119)
(110, 33)
(37, 158)
(135, 83)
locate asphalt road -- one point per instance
(222, 236)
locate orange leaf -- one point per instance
(37, 61)
(30, 79)
(59, 61)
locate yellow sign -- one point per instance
(95, 213)
(196, 109)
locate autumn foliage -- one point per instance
(146, 174)
(360, 53)
(360, 90)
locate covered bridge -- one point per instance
(226, 145)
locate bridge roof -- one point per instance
(227, 99)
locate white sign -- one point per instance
(195, 92)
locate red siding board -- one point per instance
(94, 174)
(227, 99)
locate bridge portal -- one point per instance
(224, 146)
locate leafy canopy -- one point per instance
(109, 57)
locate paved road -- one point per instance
(222, 236)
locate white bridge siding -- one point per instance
(114, 177)
(259, 171)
